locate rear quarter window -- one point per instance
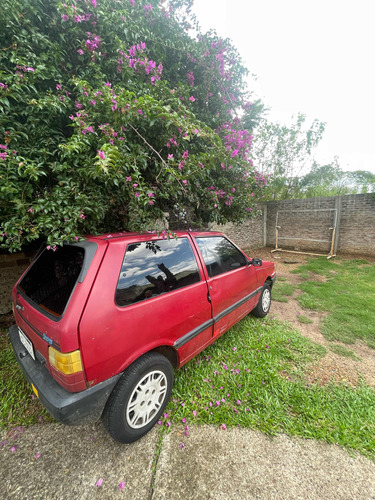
(151, 268)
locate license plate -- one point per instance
(26, 343)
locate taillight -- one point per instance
(66, 368)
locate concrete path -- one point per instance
(52, 461)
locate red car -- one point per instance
(100, 324)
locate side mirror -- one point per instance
(256, 262)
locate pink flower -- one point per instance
(192, 98)
(182, 446)
(137, 195)
(223, 426)
(37, 455)
(14, 448)
(151, 202)
(128, 179)
(170, 157)
(139, 111)
(134, 186)
(93, 2)
(92, 102)
(58, 87)
(82, 216)
(101, 154)
(150, 195)
(185, 182)
(99, 482)
(132, 2)
(3, 146)
(194, 413)
(31, 210)
(186, 154)
(64, 17)
(121, 486)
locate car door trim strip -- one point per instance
(199, 329)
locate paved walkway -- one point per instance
(52, 461)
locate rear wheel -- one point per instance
(139, 398)
(264, 303)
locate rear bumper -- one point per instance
(65, 407)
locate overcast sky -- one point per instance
(315, 57)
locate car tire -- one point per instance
(139, 398)
(264, 303)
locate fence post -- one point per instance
(265, 225)
(338, 206)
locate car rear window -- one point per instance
(50, 280)
(151, 268)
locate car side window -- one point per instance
(220, 255)
(151, 268)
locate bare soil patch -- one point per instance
(332, 367)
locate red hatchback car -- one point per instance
(100, 324)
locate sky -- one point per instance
(314, 57)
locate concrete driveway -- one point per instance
(51, 461)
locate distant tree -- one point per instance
(283, 153)
(331, 180)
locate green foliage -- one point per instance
(96, 97)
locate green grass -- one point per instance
(304, 319)
(253, 376)
(281, 291)
(17, 407)
(348, 294)
(343, 351)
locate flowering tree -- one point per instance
(111, 114)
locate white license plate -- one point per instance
(26, 343)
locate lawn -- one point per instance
(253, 377)
(347, 293)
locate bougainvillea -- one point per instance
(112, 115)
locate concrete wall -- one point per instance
(307, 225)
(250, 234)
(11, 268)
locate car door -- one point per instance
(232, 281)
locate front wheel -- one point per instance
(139, 398)
(264, 303)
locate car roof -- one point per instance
(128, 234)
